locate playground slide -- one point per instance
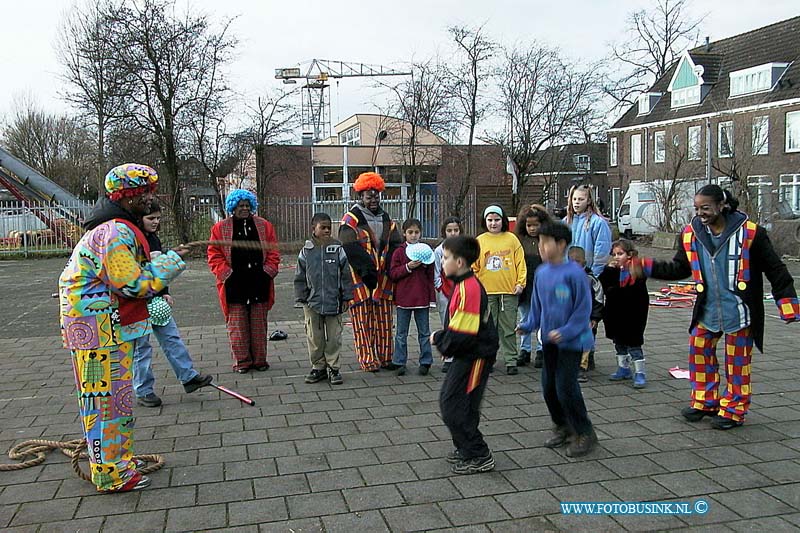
(29, 187)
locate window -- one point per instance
(756, 79)
(789, 191)
(328, 175)
(351, 137)
(659, 148)
(647, 102)
(686, 96)
(759, 190)
(694, 146)
(612, 152)
(636, 149)
(725, 139)
(793, 131)
(582, 162)
(760, 135)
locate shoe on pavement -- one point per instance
(316, 374)
(261, 368)
(695, 415)
(583, 376)
(512, 370)
(558, 438)
(243, 370)
(150, 400)
(454, 457)
(392, 366)
(476, 465)
(424, 369)
(199, 381)
(538, 361)
(723, 423)
(401, 371)
(136, 482)
(335, 377)
(524, 358)
(582, 444)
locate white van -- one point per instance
(641, 211)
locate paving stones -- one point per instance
(368, 455)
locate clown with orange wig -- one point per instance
(369, 238)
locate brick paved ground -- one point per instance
(368, 455)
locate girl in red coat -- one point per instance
(414, 294)
(245, 279)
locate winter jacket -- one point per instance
(532, 261)
(413, 288)
(751, 257)
(219, 257)
(598, 296)
(468, 331)
(595, 239)
(627, 304)
(322, 277)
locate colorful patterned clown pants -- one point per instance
(704, 372)
(105, 398)
(372, 328)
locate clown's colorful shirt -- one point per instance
(108, 268)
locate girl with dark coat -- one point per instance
(625, 317)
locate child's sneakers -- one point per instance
(476, 465)
(454, 457)
(539, 359)
(424, 369)
(335, 377)
(316, 375)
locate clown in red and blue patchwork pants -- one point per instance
(704, 372)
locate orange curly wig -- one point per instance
(369, 180)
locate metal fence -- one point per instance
(37, 229)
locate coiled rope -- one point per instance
(37, 450)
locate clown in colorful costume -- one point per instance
(727, 256)
(245, 279)
(369, 238)
(103, 293)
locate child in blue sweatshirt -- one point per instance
(561, 306)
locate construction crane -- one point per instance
(316, 103)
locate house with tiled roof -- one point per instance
(727, 112)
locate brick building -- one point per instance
(727, 112)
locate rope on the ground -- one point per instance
(37, 450)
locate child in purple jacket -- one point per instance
(413, 294)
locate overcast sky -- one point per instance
(275, 34)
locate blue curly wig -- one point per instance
(236, 196)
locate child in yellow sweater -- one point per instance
(501, 269)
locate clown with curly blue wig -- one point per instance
(245, 278)
(369, 237)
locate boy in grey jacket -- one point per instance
(323, 285)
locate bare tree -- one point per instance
(653, 40)
(174, 63)
(54, 145)
(95, 84)
(672, 188)
(271, 121)
(422, 103)
(468, 79)
(544, 100)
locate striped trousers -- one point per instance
(704, 372)
(247, 333)
(105, 400)
(372, 329)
